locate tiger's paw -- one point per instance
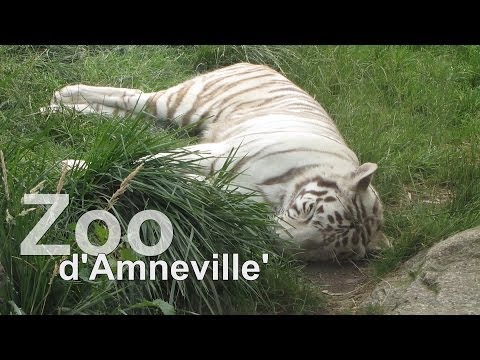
(73, 108)
(68, 98)
(73, 164)
(379, 243)
(196, 177)
(50, 109)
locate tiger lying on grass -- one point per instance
(287, 148)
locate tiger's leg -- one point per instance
(208, 157)
(212, 96)
(119, 101)
(103, 100)
(206, 98)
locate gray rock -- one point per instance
(444, 279)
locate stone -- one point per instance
(444, 279)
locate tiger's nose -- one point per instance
(382, 239)
(379, 242)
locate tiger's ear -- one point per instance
(363, 176)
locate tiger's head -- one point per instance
(335, 219)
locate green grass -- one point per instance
(415, 110)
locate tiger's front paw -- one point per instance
(196, 177)
(69, 97)
(50, 109)
(74, 164)
(379, 243)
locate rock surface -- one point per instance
(444, 279)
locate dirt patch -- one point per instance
(345, 284)
(427, 194)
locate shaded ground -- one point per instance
(345, 284)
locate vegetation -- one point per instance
(414, 110)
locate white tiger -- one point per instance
(286, 147)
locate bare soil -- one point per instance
(345, 284)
